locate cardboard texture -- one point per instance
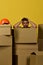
(40, 37)
(5, 40)
(33, 60)
(23, 51)
(25, 35)
(36, 60)
(5, 29)
(40, 44)
(5, 45)
(6, 55)
(40, 31)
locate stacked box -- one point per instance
(26, 43)
(36, 59)
(40, 37)
(5, 45)
(25, 35)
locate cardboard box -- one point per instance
(23, 51)
(5, 45)
(40, 44)
(5, 29)
(33, 60)
(36, 60)
(40, 31)
(25, 35)
(6, 55)
(5, 40)
(5, 50)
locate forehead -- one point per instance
(25, 22)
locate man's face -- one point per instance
(25, 24)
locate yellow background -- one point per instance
(14, 10)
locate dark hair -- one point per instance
(24, 19)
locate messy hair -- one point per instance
(24, 19)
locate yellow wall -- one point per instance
(14, 10)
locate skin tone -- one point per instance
(25, 24)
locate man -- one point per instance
(25, 22)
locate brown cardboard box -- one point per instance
(6, 55)
(23, 51)
(36, 60)
(40, 37)
(5, 45)
(40, 52)
(40, 60)
(40, 44)
(5, 40)
(40, 31)
(32, 59)
(5, 29)
(5, 50)
(25, 35)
